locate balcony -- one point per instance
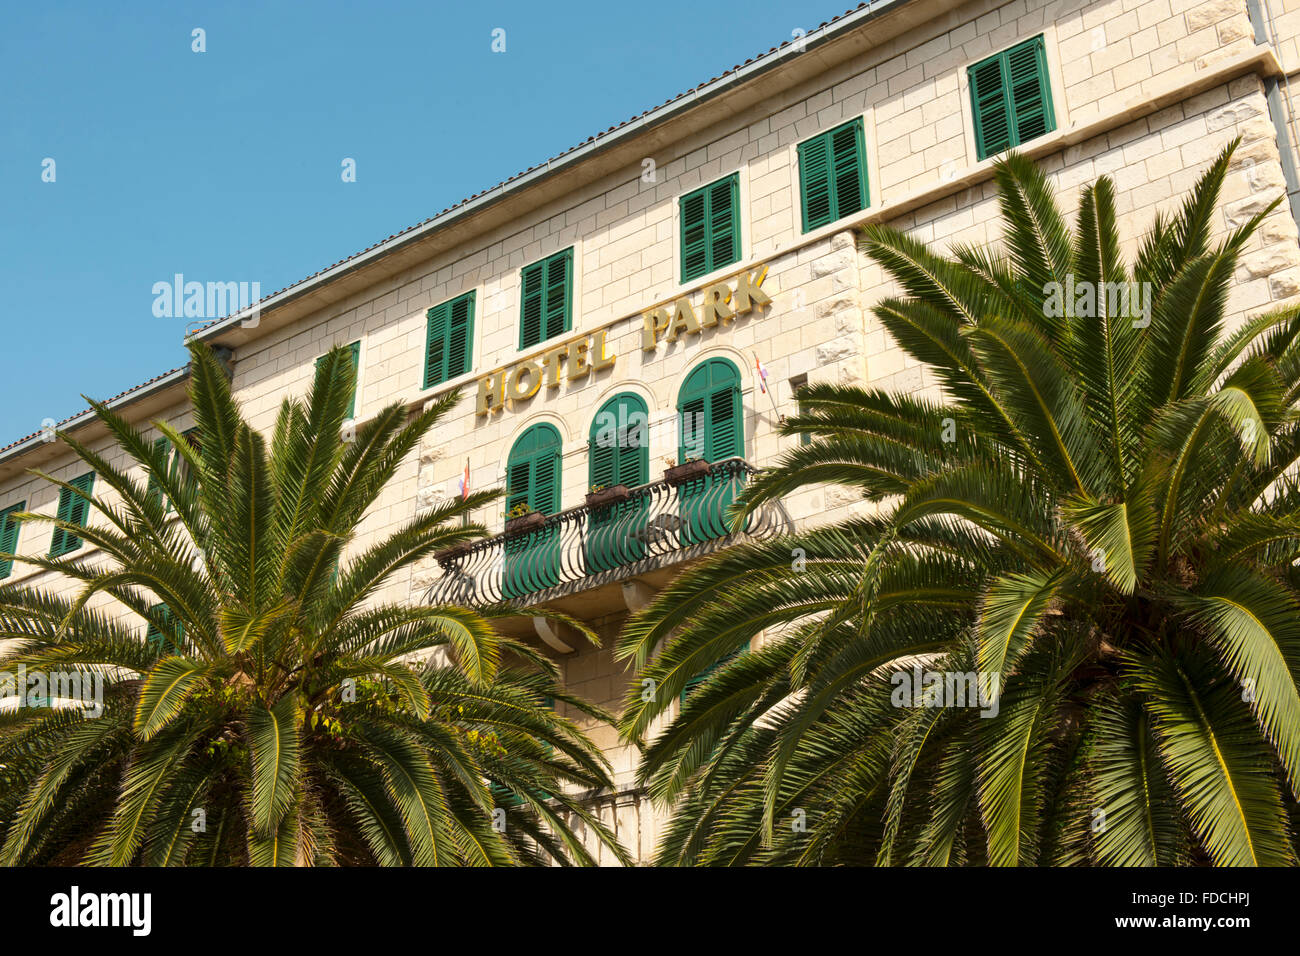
(586, 549)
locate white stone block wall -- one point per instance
(1107, 59)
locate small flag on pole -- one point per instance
(464, 482)
(762, 374)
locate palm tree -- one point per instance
(283, 712)
(1090, 534)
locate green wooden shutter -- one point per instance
(692, 414)
(633, 443)
(519, 484)
(533, 470)
(155, 492)
(619, 455)
(711, 428)
(192, 436)
(559, 289)
(1011, 98)
(435, 344)
(355, 351)
(710, 227)
(9, 536)
(530, 306)
(833, 175)
(989, 102)
(460, 336)
(815, 183)
(724, 222)
(848, 158)
(532, 559)
(546, 299)
(168, 637)
(695, 244)
(699, 679)
(710, 414)
(602, 463)
(448, 342)
(724, 424)
(75, 509)
(546, 483)
(1031, 101)
(356, 380)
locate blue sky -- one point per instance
(225, 165)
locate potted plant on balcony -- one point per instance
(448, 555)
(601, 495)
(522, 518)
(688, 470)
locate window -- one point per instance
(796, 383)
(160, 448)
(532, 557)
(618, 454)
(546, 300)
(708, 409)
(699, 679)
(618, 448)
(356, 367)
(1011, 98)
(449, 340)
(709, 423)
(710, 228)
(74, 508)
(9, 536)
(167, 639)
(533, 471)
(833, 175)
(191, 435)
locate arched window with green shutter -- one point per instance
(708, 408)
(618, 453)
(618, 444)
(532, 558)
(710, 426)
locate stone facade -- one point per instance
(1145, 91)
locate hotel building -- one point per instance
(628, 321)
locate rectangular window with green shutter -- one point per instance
(546, 299)
(449, 341)
(355, 349)
(699, 679)
(74, 508)
(155, 492)
(1011, 98)
(833, 175)
(9, 536)
(163, 641)
(710, 228)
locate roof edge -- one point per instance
(140, 392)
(764, 63)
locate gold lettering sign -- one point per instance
(721, 304)
(577, 358)
(572, 360)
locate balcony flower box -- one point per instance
(525, 523)
(686, 471)
(448, 555)
(614, 494)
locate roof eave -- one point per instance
(466, 210)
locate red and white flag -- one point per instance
(762, 374)
(464, 482)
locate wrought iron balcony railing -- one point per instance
(654, 526)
